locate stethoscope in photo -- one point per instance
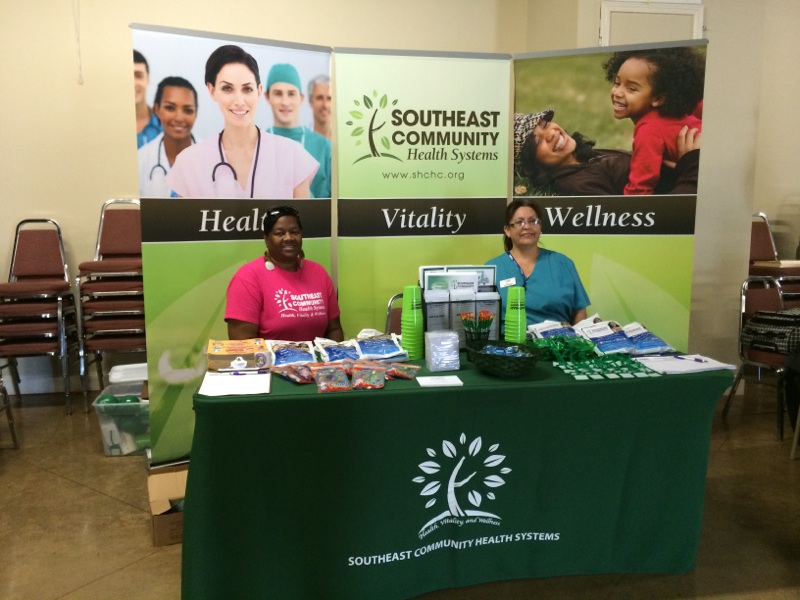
(227, 165)
(158, 166)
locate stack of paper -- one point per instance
(235, 383)
(683, 363)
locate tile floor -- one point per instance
(74, 524)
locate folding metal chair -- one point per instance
(37, 306)
(761, 293)
(110, 286)
(5, 404)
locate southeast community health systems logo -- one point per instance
(367, 122)
(284, 301)
(462, 476)
(423, 134)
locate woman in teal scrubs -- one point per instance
(553, 289)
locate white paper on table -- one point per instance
(235, 384)
(439, 381)
(688, 363)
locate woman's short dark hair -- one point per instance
(679, 75)
(225, 55)
(173, 81)
(139, 59)
(512, 208)
(275, 213)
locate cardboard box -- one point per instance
(167, 487)
(238, 354)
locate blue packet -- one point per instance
(291, 353)
(645, 341)
(380, 347)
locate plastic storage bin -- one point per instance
(124, 419)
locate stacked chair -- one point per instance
(5, 405)
(37, 307)
(110, 287)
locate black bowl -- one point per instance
(503, 366)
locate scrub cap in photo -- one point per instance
(524, 124)
(284, 73)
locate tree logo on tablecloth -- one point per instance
(461, 477)
(367, 121)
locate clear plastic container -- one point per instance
(124, 419)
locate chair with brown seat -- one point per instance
(110, 286)
(37, 306)
(393, 315)
(761, 293)
(762, 242)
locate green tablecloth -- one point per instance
(396, 492)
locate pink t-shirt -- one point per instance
(294, 306)
(282, 164)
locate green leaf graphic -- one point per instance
(357, 131)
(356, 115)
(384, 101)
(385, 142)
(367, 102)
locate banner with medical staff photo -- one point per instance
(261, 99)
(205, 225)
(598, 145)
(422, 150)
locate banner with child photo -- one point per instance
(606, 141)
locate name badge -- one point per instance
(508, 282)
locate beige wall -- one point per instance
(777, 176)
(69, 146)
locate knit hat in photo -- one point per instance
(524, 124)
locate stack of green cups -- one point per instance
(411, 325)
(515, 324)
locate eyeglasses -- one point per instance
(520, 223)
(282, 211)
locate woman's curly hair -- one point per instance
(678, 76)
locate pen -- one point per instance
(699, 360)
(259, 372)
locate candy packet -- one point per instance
(401, 371)
(295, 372)
(368, 376)
(330, 378)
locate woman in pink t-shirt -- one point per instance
(282, 296)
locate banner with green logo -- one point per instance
(423, 169)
